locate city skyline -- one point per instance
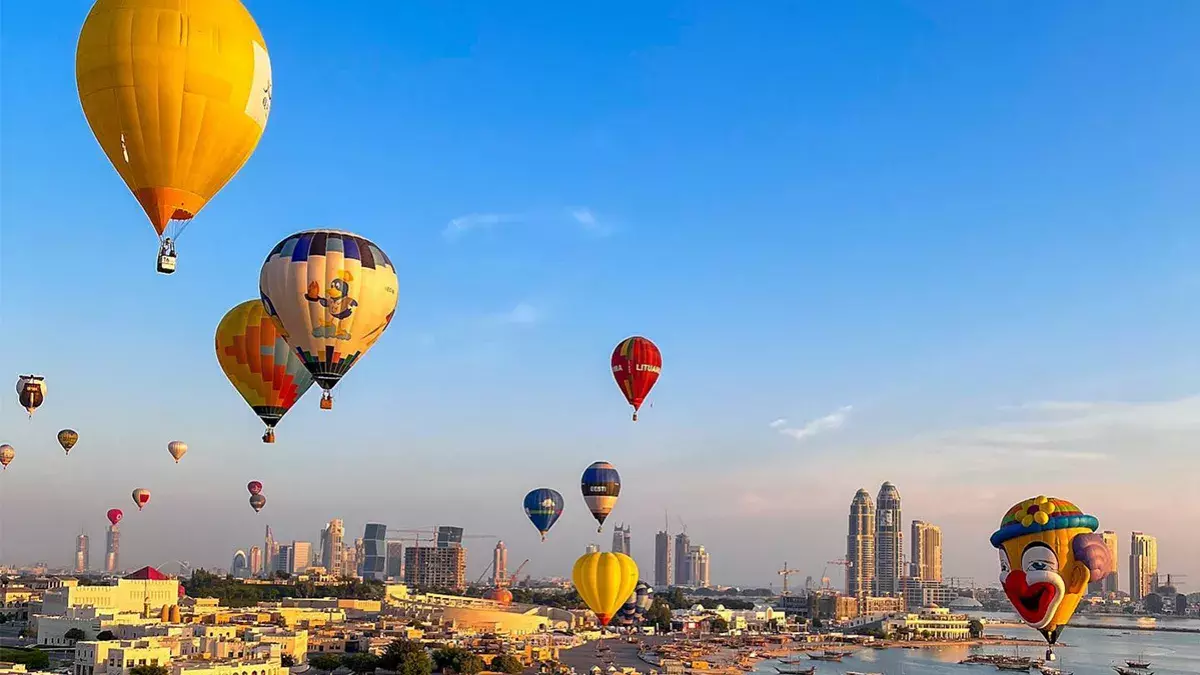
(952, 259)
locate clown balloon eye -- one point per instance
(1039, 559)
(1003, 561)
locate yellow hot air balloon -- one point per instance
(260, 364)
(177, 93)
(1049, 551)
(605, 581)
(332, 294)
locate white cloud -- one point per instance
(523, 314)
(475, 221)
(587, 219)
(833, 421)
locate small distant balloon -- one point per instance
(6, 455)
(254, 487)
(141, 497)
(115, 516)
(67, 438)
(257, 502)
(31, 392)
(177, 449)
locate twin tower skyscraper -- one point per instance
(875, 546)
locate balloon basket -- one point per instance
(326, 401)
(269, 436)
(635, 417)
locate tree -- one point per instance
(459, 660)
(719, 625)
(287, 660)
(75, 635)
(507, 663)
(975, 628)
(33, 659)
(406, 658)
(361, 662)
(925, 635)
(659, 614)
(149, 670)
(3, 618)
(676, 599)
(327, 662)
(105, 635)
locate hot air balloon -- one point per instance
(115, 516)
(605, 581)
(6, 455)
(1049, 551)
(332, 294)
(601, 485)
(141, 497)
(257, 502)
(31, 392)
(636, 364)
(260, 364)
(67, 438)
(177, 449)
(254, 487)
(178, 95)
(543, 506)
(644, 598)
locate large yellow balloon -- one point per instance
(605, 581)
(331, 294)
(177, 93)
(1048, 553)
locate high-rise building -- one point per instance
(926, 551)
(112, 549)
(374, 560)
(240, 567)
(698, 562)
(395, 560)
(350, 559)
(81, 553)
(889, 542)
(1143, 565)
(662, 559)
(683, 566)
(331, 546)
(448, 536)
(621, 540)
(860, 547)
(1109, 583)
(283, 559)
(271, 562)
(256, 561)
(591, 548)
(359, 554)
(301, 558)
(433, 567)
(500, 564)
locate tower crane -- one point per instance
(786, 572)
(511, 581)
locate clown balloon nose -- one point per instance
(1049, 551)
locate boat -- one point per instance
(796, 671)
(1050, 670)
(1139, 662)
(826, 656)
(855, 672)
(1012, 666)
(1122, 670)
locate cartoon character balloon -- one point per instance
(141, 497)
(601, 485)
(115, 516)
(332, 294)
(177, 449)
(31, 392)
(67, 438)
(257, 502)
(605, 581)
(6, 455)
(1049, 551)
(636, 365)
(177, 111)
(254, 488)
(260, 364)
(543, 506)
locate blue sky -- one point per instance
(943, 215)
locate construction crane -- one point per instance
(511, 581)
(840, 562)
(961, 582)
(785, 573)
(1170, 581)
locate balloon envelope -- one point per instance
(141, 497)
(636, 365)
(543, 506)
(6, 455)
(332, 294)
(605, 581)
(259, 363)
(257, 502)
(177, 94)
(67, 438)
(31, 392)
(115, 516)
(177, 449)
(601, 485)
(254, 487)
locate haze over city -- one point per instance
(949, 248)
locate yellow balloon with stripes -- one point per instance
(605, 581)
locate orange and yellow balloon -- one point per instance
(1049, 551)
(605, 581)
(177, 93)
(260, 364)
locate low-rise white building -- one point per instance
(932, 622)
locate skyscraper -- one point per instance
(926, 551)
(331, 546)
(256, 561)
(698, 562)
(1143, 565)
(433, 567)
(449, 537)
(374, 560)
(683, 567)
(662, 559)
(112, 548)
(499, 564)
(240, 567)
(889, 541)
(301, 558)
(860, 546)
(271, 562)
(621, 541)
(81, 553)
(1111, 583)
(395, 560)
(283, 559)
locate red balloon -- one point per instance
(115, 516)
(254, 487)
(636, 364)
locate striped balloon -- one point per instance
(601, 485)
